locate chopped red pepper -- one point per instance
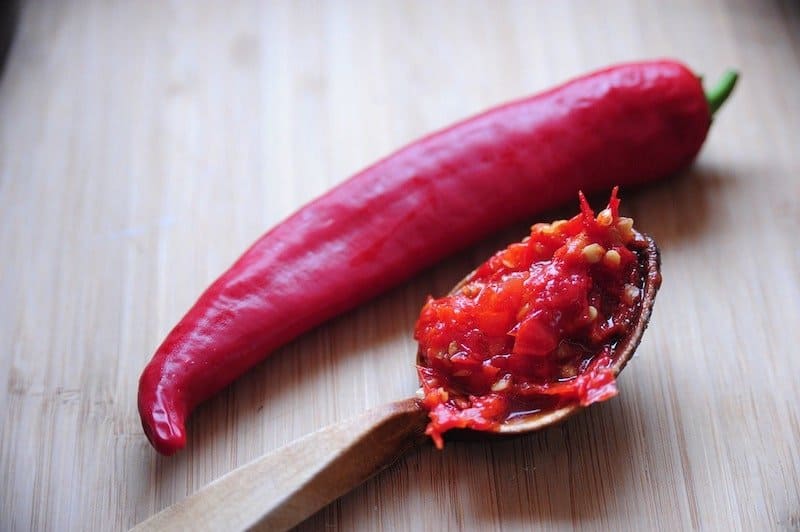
(534, 326)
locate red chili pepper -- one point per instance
(627, 124)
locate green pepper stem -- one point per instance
(717, 95)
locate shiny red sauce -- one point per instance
(534, 327)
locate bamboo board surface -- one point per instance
(145, 145)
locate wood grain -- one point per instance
(144, 145)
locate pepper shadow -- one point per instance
(9, 17)
(679, 210)
(674, 211)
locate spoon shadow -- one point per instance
(580, 470)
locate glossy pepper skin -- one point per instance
(624, 125)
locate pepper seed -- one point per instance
(593, 253)
(625, 228)
(605, 217)
(612, 258)
(558, 226)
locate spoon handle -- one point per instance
(281, 489)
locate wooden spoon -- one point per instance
(281, 489)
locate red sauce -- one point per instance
(532, 328)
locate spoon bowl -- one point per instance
(650, 265)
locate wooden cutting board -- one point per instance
(144, 145)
